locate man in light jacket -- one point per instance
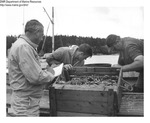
(26, 76)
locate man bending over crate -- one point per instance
(131, 56)
(70, 56)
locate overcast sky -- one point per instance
(88, 21)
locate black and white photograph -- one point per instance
(76, 59)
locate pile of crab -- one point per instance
(107, 80)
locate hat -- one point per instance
(111, 40)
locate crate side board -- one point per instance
(88, 99)
(93, 70)
(93, 73)
(84, 95)
(110, 103)
(132, 104)
(75, 114)
(84, 87)
(82, 101)
(119, 90)
(82, 107)
(96, 69)
(52, 104)
(88, 102)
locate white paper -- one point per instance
(58, 70)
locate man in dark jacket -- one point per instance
(70, 56)
(131, 56)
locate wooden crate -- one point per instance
(76, 100)
(132, 104)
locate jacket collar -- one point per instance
(72, 51)
(29, 41)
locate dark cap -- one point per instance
(111, 40)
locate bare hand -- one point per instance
(68, 66)
(116, 65)
(50, 70)
(54, 65)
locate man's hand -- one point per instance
(50, 70)
(68, 66)
(54, 65)
(116, 65)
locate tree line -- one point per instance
(98, 44)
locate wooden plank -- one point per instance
(82, 107)
(81, 95)
(93, 87)
(138, 94)
(106, 69)
(119, 90)
(115, 103)
(94, 73)
(95, 69)
(53, 105)
(110, 102)
(132, 105)
(88, 70)
(130, 74)
(75, 114)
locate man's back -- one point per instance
(132, 48)
(62, 55)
